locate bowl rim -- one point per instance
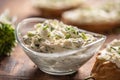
(56, 54)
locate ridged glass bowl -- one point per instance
(57, 63)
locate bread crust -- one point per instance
(105, 70)
(54, 13)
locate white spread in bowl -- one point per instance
(51, 44)
(54, 36)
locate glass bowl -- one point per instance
(57, 63)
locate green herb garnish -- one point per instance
(7, 38)
(57, 36)
(69, 28)
(38, 25)
(67, 36)
(51, 28)
(48, 35)
(45, 27)
(30, 34)
(118, 51)
(83, 35)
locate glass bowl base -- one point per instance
(58, 73)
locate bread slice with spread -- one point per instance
(107, 65)
(100, 19)
(54, 8)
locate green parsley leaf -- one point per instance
(7, 38)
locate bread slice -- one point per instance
(54, 8)
(94, 27)
(96, 20)
(105, 70)
(82, 20)
(107, 65)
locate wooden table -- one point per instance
(18, 66)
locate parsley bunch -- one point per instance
(7, 36)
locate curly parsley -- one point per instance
(7, 38)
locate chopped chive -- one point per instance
(77, 32)
(72, 29)
(51, 28)
(57, 36)
(66, 47)
(83, 36)
(40, 39)
(67, 36)
(115, 50)
(45, 27)
(67, 28)
(38, 25)
(48, 35)
(30, 34)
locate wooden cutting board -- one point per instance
(18, 66)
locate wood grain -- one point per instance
(18, 66)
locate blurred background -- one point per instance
(55, 9)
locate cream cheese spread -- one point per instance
(106, 13)
(90, 16)
(112, 52)
(54, 36)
